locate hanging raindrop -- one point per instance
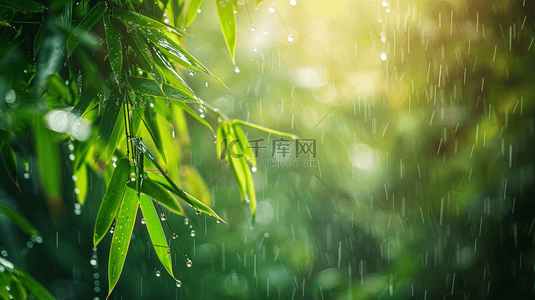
(189, 263)
(193, 233)
(198, 212)
(163, 217)
(158, 274)
(252, 28)
(143, 221)
(290, 38)
(237, 69)
(178, 283)
(175, 236)
(191, 72)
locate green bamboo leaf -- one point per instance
(112, 200)
(28, 6)
(170, 146)
(117, 136)
(121, 237)
(261, 128)
(48, 154)
(251, 193)
(244, 144)
(156, 233)
(5, 277)
(87, 23)
(58, 90)
(9, 157)
(34, 287)
(16, 291)
(192, 12)
(115, 47)
(192, 113)
(227, 19)
(139, 166)
(181, 125)
(149, 87)
(236, 162)
(184, 196)
(19, 221)
(109, 117)
(158, 193)
(142, 51)
(193, 182)
(133, 20)
(81, 183)
(221, 141)
(168, 70)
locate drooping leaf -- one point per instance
(115, 47)
(81, 183)
(265, 129)
(87, 23)
(34, 287)
(192, 12)
(121, 237)
(158, 193)
(116, 139)
(19, 221)
(235, 162)
(244, 144)
(149, 87)
(156, 233)
(168, 70)
(227, 19)
(111, 202)
(28, 6)
(181, 125)
(109, 117)
(142, 51)
(170, 146)
(220, 141)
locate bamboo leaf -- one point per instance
(168, 70)
(16, 291)
(227, 19)
(111, 202)
(19, 221)
(48, 154)
(235, 162)
(192, 113)
(115, 47)
(244, 144)
(134, 20)
(37, 41)
(156, 233)
(142, 51)
(28, 6)
(149, 87)
(184, 196)
(81, 183)
(192, 12)
(158, 193)
(193, 182)
(220, 141)
(87, 23)
(109, 117)
(34, 287)
(9, 157)
(121, 237)
(265, 129)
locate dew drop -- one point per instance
(158, 273)
(198, 212)
(293, 2)
(237, 69)
(93, 262)
(253, 28)
(189, 263)
(191, 72)
(271, 9)
(186, 221)
(383, 56)
(255, 50)
(163, 217)
(193, 233)
(384, 4)
(26, 175)
(199, 11)
(290, 38)
(218, 221)
(143, 221)
(254, 169)
(175, 236)
(178, 283)
(265, 32)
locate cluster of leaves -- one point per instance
(127, 89)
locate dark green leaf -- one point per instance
(133, 20)
(10, 160)
(19, 221)
(227, 19)
(193, 7)
(16, 291)
(150, 88)
(28, 6)
(121, 237)
(112, 200)
(34, 287)
(87, 23)
(37, 41)
(156, 233)
(115, 47)
(81, 183)
(109, 117)
(168, 70)
(58, 90)
(158, 193)
(142, 51)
